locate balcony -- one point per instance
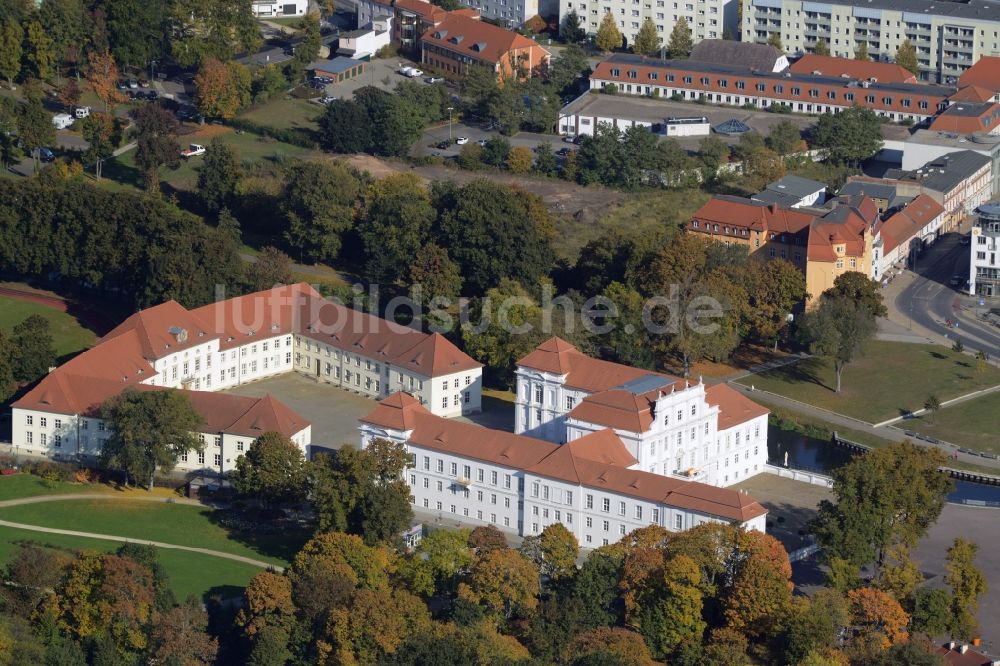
(689, 474)
(464, 481)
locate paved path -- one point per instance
(325, 273)
(111, 537)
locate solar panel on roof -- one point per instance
(644, 384)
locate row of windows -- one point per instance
(43, 422)
(467, 472)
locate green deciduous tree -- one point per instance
(103, 133)
(906, 57)
(11, 38)
(149, 431)
(774, 39)
(218, 174)
(647, 41)
(202, 29)
(394, 223)
(784, 138)
(221, 89)
(571, 28)
(156, 139)
(318, 203)
(861, 52)
(273, 469)
(680, 44)
(504, 583)
(554, 551)
(34, 127)
(504, 317)
(271, 267)
(39, 52)
(609, 37)
(821, 48)
(861, 289)
(967, 583)
(886, 497)
(931, 611)
(34, 351)
(838, 329)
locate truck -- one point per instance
(193, 150)
(82, 112)
(62, 121)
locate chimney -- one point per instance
(773, 207)
(963, 649)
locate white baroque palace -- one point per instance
(232, 342)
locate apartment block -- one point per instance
(707, 19)
(948, 36)
(984, 260)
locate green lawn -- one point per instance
(178, 524)
(122, 169)
(974, 424)
(893, 378)
(67, 333)
(285, 113)
(189, 573)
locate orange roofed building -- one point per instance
(823, 243)
(233, 342)
(593, 485)
(459, 42)
(860, 70)
(672, 427)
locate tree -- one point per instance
(136, 30)
(485, 538)
(917, 651)
(267, 604)
(764, 166)
(814, 625)
(393, 224)
(505, 314)
(554, 551)
(11, 39)
(438, 562)
(318, 203)
(373, 626)
(103, 133)
(34, 351)
(851, 136)
(31, 572)
(103, 76)
(838, 329)
(571, 29)
(149, 431)
(69, 94)
(932, 404)
(436, 274)
(931, 611)
(967, 584)
(611, 645)
(156, 139)
(676, 617)
(519, 160)
(545, 160)
(784, 138)
(272, 469)
(906, 57)
(774, 39)
(861, 53)
(861, 289)
(221, 89)
(180, 635)
(958, 346)
(202, 29)
(760, 591)
(900, 576)
(608, 36)
(888, 496)
(34, 127)
(713, 151)
(774, 289)
(496, 150)
(504, 583)
(218, 175)
(680, 44)
(40, 52)
(270, 267)
(345, 127)
(821, 48)
(647, 41)
(877, 616)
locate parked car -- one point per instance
(405, 71)
(327, 99)
(482, 142)
(81, 112)
(955, 280)
(569, 139)
(965, 240)
(193, 150)
(462, 140)
(46, 155)
(443, 145)
(123, 85)
(62, 121)
(143, 83)
(434, 79)
(133, 84)
(317, 85)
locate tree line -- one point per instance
(25, 355)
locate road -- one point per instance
(927, 300)
(111, 537)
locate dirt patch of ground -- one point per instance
(89, 316)
(560, 197)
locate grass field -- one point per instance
(68, 335)
(974, 424)
(29, 485)
(189, 573)
(285, 113)
(892, 379)
(178, 524)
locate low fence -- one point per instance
(959, 474)
(802, 553)
(806, 476)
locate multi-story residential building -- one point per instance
(707, 19)
(948, 36)
(823, 243)
(902, 236)
(738, 85)
(279, 8)
(984, 249)
(670, 427)
(236, 341)
(522, 484)
(793, 192)
(459, 42)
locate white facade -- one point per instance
(707, 19)
(512, 14)
(279, 8)
(984, 254)
(367, 40)
(687, 126)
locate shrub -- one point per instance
(519, 160)
(610, 89)
(294, 136)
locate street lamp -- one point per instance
(450, 109)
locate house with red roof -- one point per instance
(904, 234)
(672, 427)
(593, 485)
(460, 42)
(233, 342)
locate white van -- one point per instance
(82, 112)
(62, 120)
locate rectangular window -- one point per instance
(590, 501)
(493, 478)
(638, 512)
(607, 505)
(621, 508)
(534, 489)
(678, 522)
(454, 469)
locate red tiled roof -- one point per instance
(861, 70)
(594, 461)
(164, 329)
(558, 357)
(241, 415)
(476, 39)
(984, 73)
(972, 94)
(734, 407)
(908, 222)
(956, 118)
(619, 409)
(752, 215)
(421, 8)
(954, 657)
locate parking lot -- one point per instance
(383, 73)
